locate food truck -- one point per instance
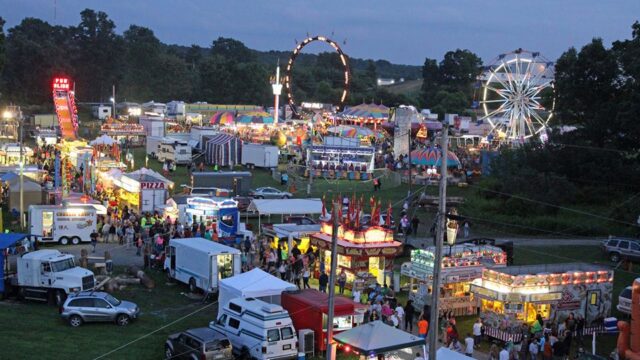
(309, 308)
(142, 190)
(63, 223)
(461, 264)
(365, 255)
(223, 212)
(514, 295)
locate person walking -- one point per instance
(465, 229)
(342, 281)
(94, 240)
(305, 278)
(399, 311)
(323, 280)
(423, 328)
(533, 349)
(477, 332)
(105, 232)
(415, 223)
(139, 244)
(469, 344)
(409, 313)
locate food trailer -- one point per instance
(141, 190)
(309, 308)
(518, 294)
(460, 266)
(366, 255)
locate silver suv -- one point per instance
(618, 249)
(88, 306)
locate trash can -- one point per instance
(301, 356)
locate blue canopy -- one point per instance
(8, 240)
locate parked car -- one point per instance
(201, 343)
(365, 221)
(94, 306)
(617, 249)
(299, 220)
(624, 301)
(269, 193)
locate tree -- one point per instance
(142, 51)
(458, 69)
(232, 50)
(2, 46)
(98, 57)
(430, 81)
(175, 81)
(215, 79)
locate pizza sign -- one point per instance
(152, 185)
(61, 83)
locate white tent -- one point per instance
(256, 284)
(285, 206)
(103, 140)
(446, 354)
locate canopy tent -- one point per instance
(445, 354)
(223, 118)
(365, 113)
(103, 140)
(355, 131)
(285, 206)
(223, 150)
(431, 157)
(256, 284)
(254, 117)
(377, 338)
(144, 174)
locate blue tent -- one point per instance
(7, 241)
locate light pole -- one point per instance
(113, 101)
(332, 280)
(437, 262)
(277, 91)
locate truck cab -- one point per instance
(51, 275)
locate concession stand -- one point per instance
(515, 295)
(366, 255)
(142, 190)
(462, 264)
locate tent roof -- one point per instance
(377, 338)
(103, 140)
(8, 240)
(286, 206)
(446, 354)
(254, 283)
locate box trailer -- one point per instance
(237, 181)
(201, 263)
(101, 112)
(259, 155)
(64, 224)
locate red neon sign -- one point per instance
(61, 83)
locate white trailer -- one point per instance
(153, 125)
(176, 108)
(258, 155)
(101, 112)
(201, 263)
(197, 132)
(50, 275)
(153, 143)
(63, 224)
(174, 150)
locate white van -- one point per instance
(257, 329)
(201, 263)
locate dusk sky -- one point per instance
(403, 31)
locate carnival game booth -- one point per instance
(290, 233)
(365, 255)
(340, 162)
(222, 150)
(141, 190)
(309, 310)
(517, 294)
(462, 264)
(133, 133)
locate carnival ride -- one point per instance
(66, 111)
(288, 80)
(512, 93)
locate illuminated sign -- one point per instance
(61, 83)
(151, 185)
(483, 292)
(202, 202)
(546, 297)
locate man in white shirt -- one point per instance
(477, 331)
(504, 354)
(469, 343)
(400, 314)
(533, 349)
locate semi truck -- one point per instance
(259, 155)
(47, 275)
(61, 223)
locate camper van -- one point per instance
(63, 224)
(101, 112)
(257, 330)
(174, 150)
(201, 263)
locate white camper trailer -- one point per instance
(61, 223)
(258, 155)
(101, 112)
(201, 263)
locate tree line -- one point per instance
(143, 68)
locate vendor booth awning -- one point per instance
(377, 338)
(366, 111)
(255, 284)
(223, 149)
(431, 157)
(285, 206)
(103, 140)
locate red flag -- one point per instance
(388, 219)
(324, 209)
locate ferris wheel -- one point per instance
(513, 88)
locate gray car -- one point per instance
(97, 306)
(618, 249)
(200, 343)
(269, 193)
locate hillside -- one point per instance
(408, 87)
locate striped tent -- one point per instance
(223, 149)
(432, 157)
(222, 118)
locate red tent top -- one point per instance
(319, 300)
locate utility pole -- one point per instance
(437, 262)
(409, 145)
(332, 280)
(21, 124)
(113, 100)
